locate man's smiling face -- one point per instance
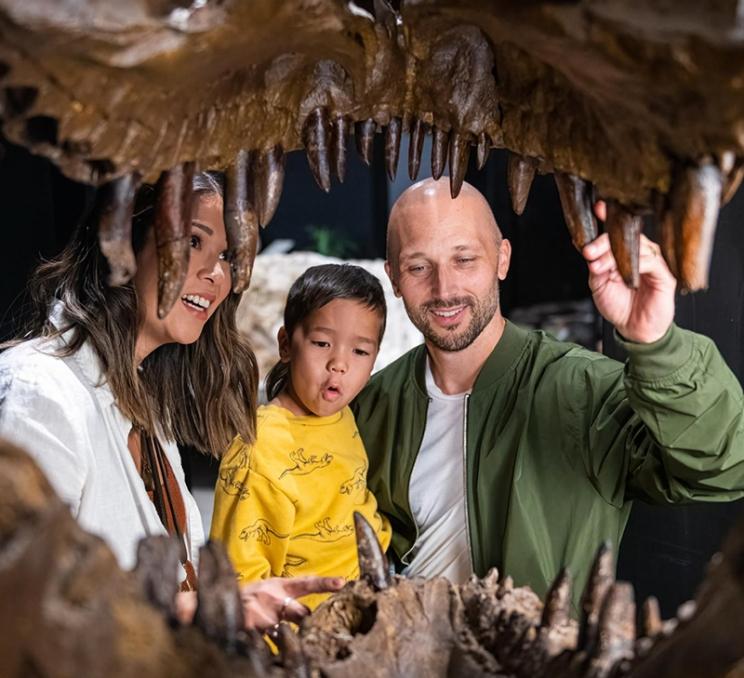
(446, 258)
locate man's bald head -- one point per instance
(428, 202)
(445, 259)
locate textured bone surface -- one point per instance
(519, 175)
(601, 89)
(694, 205)
(241, 221)
(115, 207)
(67, 609)
(618, 96)
(576, 200)
(268, 181)
(173, 233)
(624, 229)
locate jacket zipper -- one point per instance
(465, 479)
(404, 557)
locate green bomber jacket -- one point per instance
(559, 441)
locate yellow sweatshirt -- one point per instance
(284, 507)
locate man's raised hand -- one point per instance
(644, 314)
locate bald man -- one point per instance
(493, 446)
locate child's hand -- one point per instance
(267, 602)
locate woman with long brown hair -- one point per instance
(100, 388)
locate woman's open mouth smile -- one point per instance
(197, 304)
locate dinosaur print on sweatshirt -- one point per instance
(304, 465)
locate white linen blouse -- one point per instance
(60, 410)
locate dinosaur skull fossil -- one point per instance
(639, 103)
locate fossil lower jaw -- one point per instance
(68, 609)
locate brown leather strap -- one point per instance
(165, 493)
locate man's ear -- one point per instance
(389, 271)
(505, 251)
(282, 339)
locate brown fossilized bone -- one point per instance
(66, 609)
(173, 233)
(641, 102)
(489, 627)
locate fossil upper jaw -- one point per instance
(643, 100)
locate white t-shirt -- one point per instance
(57, 409)
(437, 491)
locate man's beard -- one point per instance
(456, 338)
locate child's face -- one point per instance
(331, 354)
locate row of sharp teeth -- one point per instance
(197, 300)
(687, 215)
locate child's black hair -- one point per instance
(315, 288)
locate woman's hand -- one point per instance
(270, 601)
(267, 602)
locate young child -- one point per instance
(284, 506)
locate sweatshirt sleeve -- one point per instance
(669, 427)
(252, 517)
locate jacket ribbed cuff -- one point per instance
(659, 359)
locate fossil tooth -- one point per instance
(340, 131)
(392, 146)
(484, 148)
(601, 577)
(316, 133)
(373, 565)
(576, 199)
(616, 633)
(694, 203)
(686, 611)
(385, 15)
(157, 572)
(651, 617)
(268, 181)
(415, 147)
(520, 172)
(667, 240)
(261, 656)
(364, 135)
(241, 222)
(727, 162)
(188, 197)
(557, 607)
(491, 580)
(172, 226)
(624, 229)
(666, 234)
(219, 612)
(115, 207)
(439, 152)
(293, 659)
(734, 173)
(459, 156)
